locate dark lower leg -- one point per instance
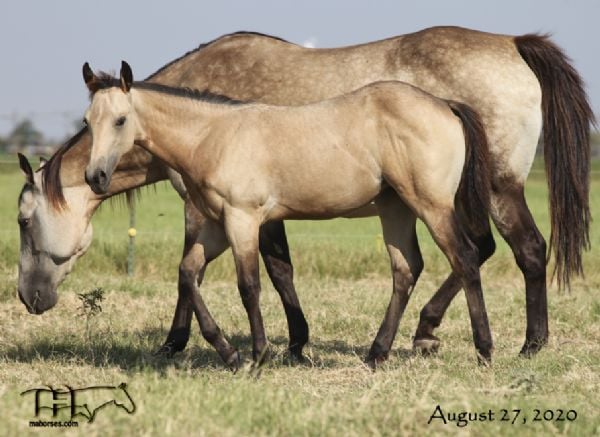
(276, 256)
(520, 231)
(464, 259)
(180, 327)
(188, 269)
(250, 298)
(382, 344)
(211, 331)
(433, 312)
(467, 267)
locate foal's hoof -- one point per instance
(234, 362)
(426, 346)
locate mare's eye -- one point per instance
(23, 221)
(120, 121)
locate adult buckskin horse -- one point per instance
(515, 83)
(245, 164)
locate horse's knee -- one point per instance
(531, 256)
(187, 279)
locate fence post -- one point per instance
(132, 233)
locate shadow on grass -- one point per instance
(137, 352)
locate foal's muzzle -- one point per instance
(98, 180)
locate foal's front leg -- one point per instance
(241, 228)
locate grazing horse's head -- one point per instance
(111, 123)
(51, 240)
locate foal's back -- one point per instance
(335, 155)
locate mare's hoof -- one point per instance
(373, 361)
(530, 348)
(295, 354)
(484, 358)
(262, 357)
(426, 346)
(167, 350)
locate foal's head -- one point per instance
(111, 121)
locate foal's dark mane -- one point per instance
(105, 80)
(51, 171)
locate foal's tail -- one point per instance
(567, 117)
(473, 195)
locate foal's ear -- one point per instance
(43, 162)
(89, 77)
(26, 168)
(126, 77)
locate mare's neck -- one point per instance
(135, 169)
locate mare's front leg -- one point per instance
(398, 223)
(276, 256)
(189, 268)
(241, 228)
(209, 242)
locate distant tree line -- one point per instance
(27, 139)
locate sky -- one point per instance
(43, 44)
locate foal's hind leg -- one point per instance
(463, 257)
(514, 221)
(433, 312)
(276, 256)
(398, 223)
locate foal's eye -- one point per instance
(120, 121)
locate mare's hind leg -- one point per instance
(433, 312)
(398, 223)
(514, 221)
(463, 256)
(276, 256)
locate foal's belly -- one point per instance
(318, 201)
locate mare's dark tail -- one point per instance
(567, 117)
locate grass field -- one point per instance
(344, 285)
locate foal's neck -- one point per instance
(173, 127)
